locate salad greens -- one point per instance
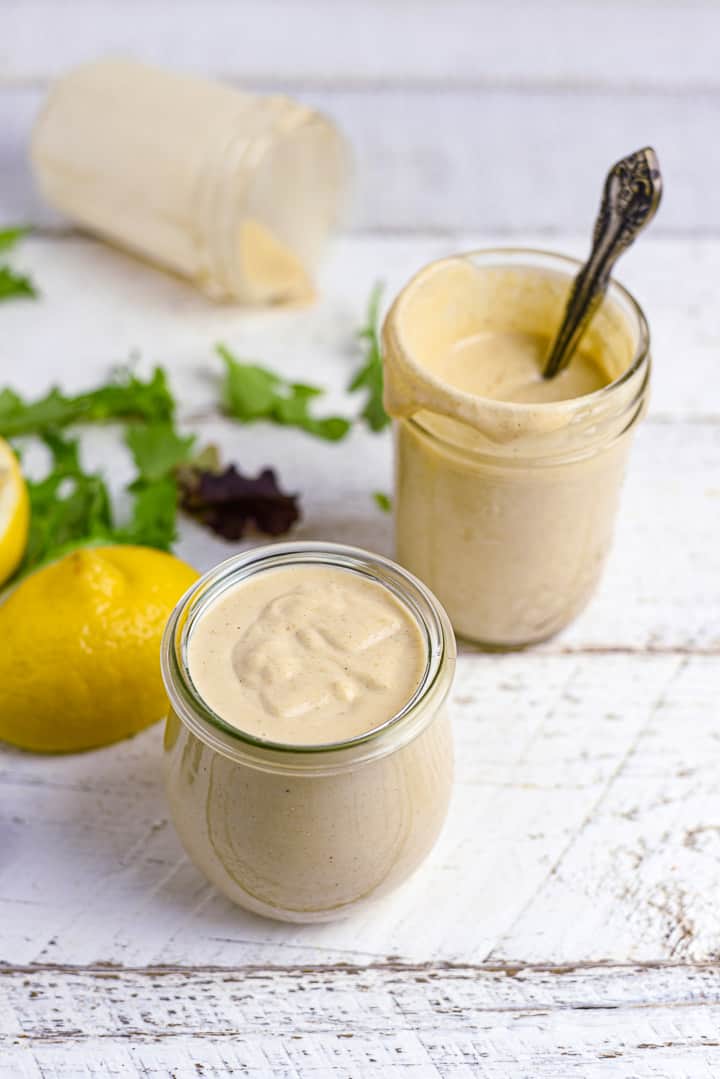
(369, 376)
(250, 392)
(14, 285)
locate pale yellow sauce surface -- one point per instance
(507, 365)
(306, 655)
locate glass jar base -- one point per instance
(476, 644)
(500, 647)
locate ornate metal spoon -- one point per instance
(630, 198)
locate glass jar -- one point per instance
(507, 510)
(236, 192)
(309, 833)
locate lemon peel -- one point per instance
(14, 512)
(80, 661)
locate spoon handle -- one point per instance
(630, 198)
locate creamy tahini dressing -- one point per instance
(306, 655)
(309, 653)
(234, 191)
(506, 483)
(459, 341)
(507, 365)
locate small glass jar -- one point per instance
(507, 510)
(309, 833)
(234, 191)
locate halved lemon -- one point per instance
(14, 512)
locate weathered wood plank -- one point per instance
(585, 811)
(665, 829)
(650, 849)
(456, 42)
(492, 159)
(582, 825)
(586, 818)
(417, 1022)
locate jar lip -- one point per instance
(411, 592)
(518, 256)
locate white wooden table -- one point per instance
(568, 923)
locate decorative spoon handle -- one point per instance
(630, 198)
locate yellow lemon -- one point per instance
(14, 512)
(80, 647)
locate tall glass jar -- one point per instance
(507, 510)
(309, 833)
(234, 191)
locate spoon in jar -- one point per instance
(630, 198)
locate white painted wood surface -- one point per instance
(498, 116)
(389, 1019)
(583, 828)
(567, 923)
(564, 42)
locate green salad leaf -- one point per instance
(125, 397)
(153, 522)
(12, 235)
(14, 285)
(250, 392)
(382, 501)
(369, 376)
(68, 507)
(157, 449)
(71, 507)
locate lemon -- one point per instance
(80, 647)
(14, 512)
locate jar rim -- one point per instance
(416, 598)
(528, 257)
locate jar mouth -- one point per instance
(539, 259)
(420, 603)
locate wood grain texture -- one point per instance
(371, 42)
(420, 1022)
(585, 823)
(494, 116)
(491, 158)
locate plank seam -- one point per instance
(78, 1037)
(389, 965)
(71, 233)
(421, 86)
